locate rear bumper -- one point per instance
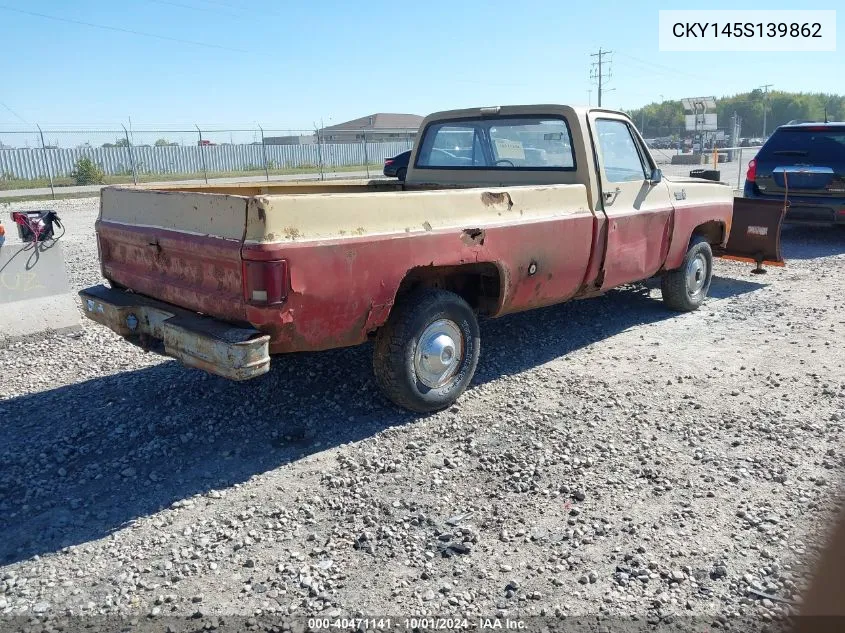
(821, 210)
(217, 347)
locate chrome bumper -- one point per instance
(237, 353)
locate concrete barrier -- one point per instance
(35, 296)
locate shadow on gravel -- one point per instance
(726, 287)
(810, 242)
(81, 461)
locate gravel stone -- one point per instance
(597, 442)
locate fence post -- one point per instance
(739, 169)
(264, 155)
(319, 150)
(131, 159)
(46, 161)
(366, 156)
(202, 153)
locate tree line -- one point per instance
(667, 118)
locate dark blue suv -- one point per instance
(804, 164)
(398, 165)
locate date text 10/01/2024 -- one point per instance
(416, 623)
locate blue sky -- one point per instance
(290, 64)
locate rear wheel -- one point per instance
(427, 352)
(685, 289)
(401, 174)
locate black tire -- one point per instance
(394, 356)
(401, 174)
(680, 287)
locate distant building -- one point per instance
(383, 126)
(304, 139)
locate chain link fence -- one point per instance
(31, 159)
(35, 159)
(730, 162)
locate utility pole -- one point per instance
(598, 71)
(765, 89)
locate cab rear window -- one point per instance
(498, 143)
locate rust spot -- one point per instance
(427, 226)
(262, 214)
(360, 230)
(489, 199)
(472, 237)
(291, 232)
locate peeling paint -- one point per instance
(492, 199)
(472, 237)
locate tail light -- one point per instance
(265, 283)
(388, 161)
(751, 175)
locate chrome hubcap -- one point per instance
(439, 352)
(696, 274)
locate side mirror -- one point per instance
(656, 176)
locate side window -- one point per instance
(620, 156)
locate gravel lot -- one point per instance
(611, 458)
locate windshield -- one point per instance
(809, 145)
(498, 143)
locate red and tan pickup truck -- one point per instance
(502, 210)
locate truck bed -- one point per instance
(347, 247)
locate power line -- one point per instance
(15, 114)
(667, 69)
(120, 30)
(596, 72)
(192, 8)
(219, 4)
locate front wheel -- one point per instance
(685, 289)
(426, 354)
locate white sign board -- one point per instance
(700, 122)
(506, 150)
(692, 104)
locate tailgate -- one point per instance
(183, 248)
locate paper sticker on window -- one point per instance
(509, 149)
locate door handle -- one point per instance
(608, 195)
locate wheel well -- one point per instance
(479, 284)
(712, 231)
